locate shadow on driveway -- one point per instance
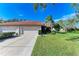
(3, 39)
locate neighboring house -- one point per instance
(20, 27)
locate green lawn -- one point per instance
(57, 45)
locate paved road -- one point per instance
(20, 46)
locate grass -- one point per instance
(57, 45)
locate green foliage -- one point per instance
(57, 26)
(76, 7)
(49, 19)
(40, 32)
(61, 23)
(15, 20)
(68, 24)
(6, 35)
(12, 20)
(71, 22)
(44, 30)
(56, 45)
(48, 30)
(36, 6)
(43, 5)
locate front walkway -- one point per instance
(20, 46)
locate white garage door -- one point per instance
(31, 29)
(31, 32)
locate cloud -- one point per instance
(69, 16)
(66, 17)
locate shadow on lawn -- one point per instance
(73, 39)
(3, 39)
(58, 32)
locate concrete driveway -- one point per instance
(19, 46)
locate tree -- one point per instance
(36, 5)
(61, 23)
(12, 20)
(43, 5)
(49, 18)
(68, 24)
(57, 26)
(49, 21)
(76, 7)
(71, 22)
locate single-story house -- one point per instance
(20, 27)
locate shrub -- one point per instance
(57, 27)
(39, 32)
(7, 35)
(70, 29)
(48, 30)
(44, 30)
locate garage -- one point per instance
(20, 27)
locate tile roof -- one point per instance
(22, 23)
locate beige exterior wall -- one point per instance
(8, 28)
(26, 28)
(19, 28)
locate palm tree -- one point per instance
(43, 5)
(36, 5)
(49, 21)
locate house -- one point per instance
(20, 27)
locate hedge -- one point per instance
(6, 35)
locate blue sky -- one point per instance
(26, 11)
